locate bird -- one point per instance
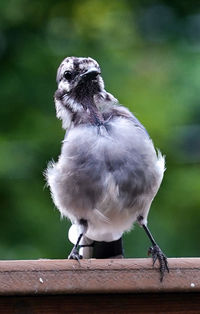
(108, 171)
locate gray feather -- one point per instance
(110, 167)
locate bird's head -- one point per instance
(78, 78)
(80, 91)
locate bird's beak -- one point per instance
(90, 73)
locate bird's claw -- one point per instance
(75, 254)
(157, 254)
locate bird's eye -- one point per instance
(67, 75)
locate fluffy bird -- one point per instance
(108, 172)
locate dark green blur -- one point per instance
(149, 52)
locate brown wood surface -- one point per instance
(188, 303)
(97, 276)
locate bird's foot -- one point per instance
(157, 254)
(75, 254)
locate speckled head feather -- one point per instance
(80, 91)
(71, 70)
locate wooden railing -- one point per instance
(99, 286)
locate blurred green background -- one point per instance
(149, 52)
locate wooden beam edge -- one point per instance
(36, 277)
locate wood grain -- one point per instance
(151, 303)
(40, 277)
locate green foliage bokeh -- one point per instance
(149, 53)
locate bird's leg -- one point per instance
(155, 251)
(75, 251)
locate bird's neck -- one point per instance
(94, 115)
(84, 108)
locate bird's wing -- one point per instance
(121, 111)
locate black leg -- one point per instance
(157, 253)
(75, 251)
